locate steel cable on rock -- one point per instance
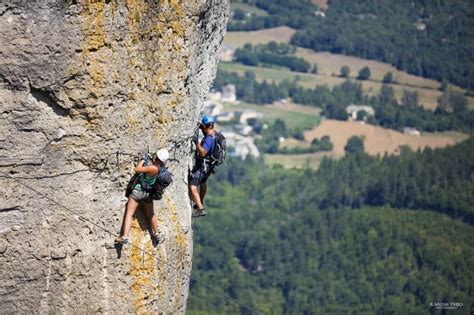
(224, 295)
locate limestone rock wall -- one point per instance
(85, 84)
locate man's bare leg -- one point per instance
(195, 196)
(202, 193)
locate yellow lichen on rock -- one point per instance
(156, 61)
(181, 245)
(177, 25)
(142, 267)
(136, 9)
(94, 12)
(94, 31)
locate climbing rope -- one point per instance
(13, 159)
(175, 145)
(225, 295)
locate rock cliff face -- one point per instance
(84, 84)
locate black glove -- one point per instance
(147, 159)
(195, 139)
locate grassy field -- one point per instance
(296, 108)
(271, 74)
(329, 66)
(293, 143)
(292, 118)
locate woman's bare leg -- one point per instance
(132, 206)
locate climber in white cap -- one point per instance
(150, 175)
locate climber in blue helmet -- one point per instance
(202, 168)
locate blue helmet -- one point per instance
(206, 120)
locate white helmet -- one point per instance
(163, 155)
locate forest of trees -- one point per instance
(294, 13)
(339, 239)
(426, 38)
(451, 114)
(248, 89)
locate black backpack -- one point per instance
(164, 179)
(217, 157)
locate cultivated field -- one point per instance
(328, 64)
(323, 4)
(379, 140)
(280, 34)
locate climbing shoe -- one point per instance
(121, 240)
(157, 239)
(199, 213)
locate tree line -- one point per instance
(293, 13)
(435, 179)
(272, 54)
(270, 140)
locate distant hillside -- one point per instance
(329, 66)
(428, 38)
